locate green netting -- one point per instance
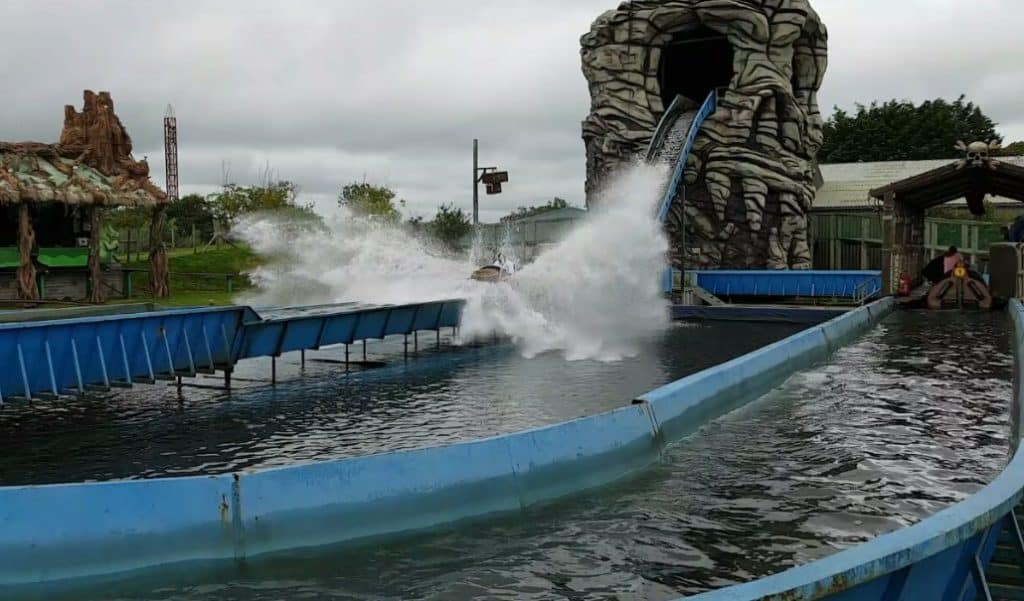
(989, 235)
(53, 257)
(9, 257)
(64, 257)
(949, 234)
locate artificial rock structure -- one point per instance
(751, 177)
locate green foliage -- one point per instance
(191, 210)
(1001, 215)
(128, 218)
(902, 131)
(367, 200)
(522, 212)
(233, 200)
(233, 260)
(450, 225)
(1012, 150)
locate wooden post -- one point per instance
(864, 225)
(128, 251)
(159, 279)
(890, 253)
(96, 294)
(27, 287)
(195, 241)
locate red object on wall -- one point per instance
(905, 282)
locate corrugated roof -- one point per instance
(848, 185)
(40, 176)
(562, 214)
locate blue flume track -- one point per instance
(50, 358)
(54, 536)
(672, 144)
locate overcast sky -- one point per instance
(396, 90)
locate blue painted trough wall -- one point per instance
(855, 285)
(272, 336)
(940, 558)
(66, 356)
(53, 534)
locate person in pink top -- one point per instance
(951, 259)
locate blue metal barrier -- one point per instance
(69, 356)
(851, 285)
(346, 324)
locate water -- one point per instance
(909, 420)
(458, 393)
(595, 295)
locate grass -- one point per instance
(190, 298)
(190, 289)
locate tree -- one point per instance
(1013, 150)
(450, 225)
(233, 201)
(128, 218)
(522, 212)
(367, 200)
(902, 131)
(191, 210)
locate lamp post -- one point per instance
(489, 176)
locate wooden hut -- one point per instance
(52, 198)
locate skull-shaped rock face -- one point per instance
(977, 154)
(751, 169)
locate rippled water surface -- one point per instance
(908, 420)
(444, 396)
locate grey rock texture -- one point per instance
(751, 178)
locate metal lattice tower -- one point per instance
(171, 153)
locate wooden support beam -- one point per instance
(159, 278)
(28, 288)
(96, 293)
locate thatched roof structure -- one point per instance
(91, 165)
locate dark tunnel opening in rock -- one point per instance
(694, 63)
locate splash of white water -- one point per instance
(595, 295)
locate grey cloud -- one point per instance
(329, 91)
